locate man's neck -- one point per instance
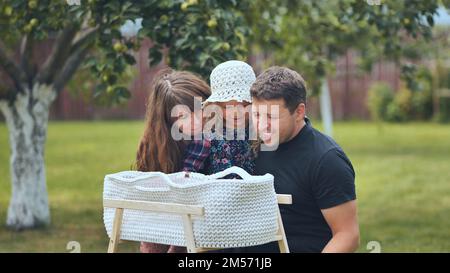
(297, 130)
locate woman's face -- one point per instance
(189, 123)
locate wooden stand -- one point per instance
(186, 211)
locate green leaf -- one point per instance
(129, 59)
(122, 92)
(430, 20)
(155, 56)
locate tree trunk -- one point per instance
(27, 120)
(326, 110)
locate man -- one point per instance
(306, 164)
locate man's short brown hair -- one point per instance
(280, 83)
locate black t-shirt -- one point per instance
(317, 173)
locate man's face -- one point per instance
(274, 122)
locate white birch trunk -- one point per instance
(27, 120)
(326, 110)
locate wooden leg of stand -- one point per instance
(282, 243)
(189, 233)
(115, 236)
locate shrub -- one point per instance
(422, 104)
(422, 100)
(444, 109)
(443, 75)
(400, 109)
(393, 113)
(403, 105)
(380, 96)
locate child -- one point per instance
(228, 144)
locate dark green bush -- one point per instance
(380, 96)
(444, 109)
(414, 100)
(400, 109)
(443, 83)
(422, 100)
(422, 105)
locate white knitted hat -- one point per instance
(231, 80)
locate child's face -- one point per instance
(236, 113)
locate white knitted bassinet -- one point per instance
(237, 212)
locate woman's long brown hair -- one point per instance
(157, 150)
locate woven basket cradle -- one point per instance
(238, 212)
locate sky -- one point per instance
(443, 17)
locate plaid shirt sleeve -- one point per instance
(196, 155)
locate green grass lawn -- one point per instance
(403, 184)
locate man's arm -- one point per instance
(343, 221)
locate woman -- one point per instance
(158, 150)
